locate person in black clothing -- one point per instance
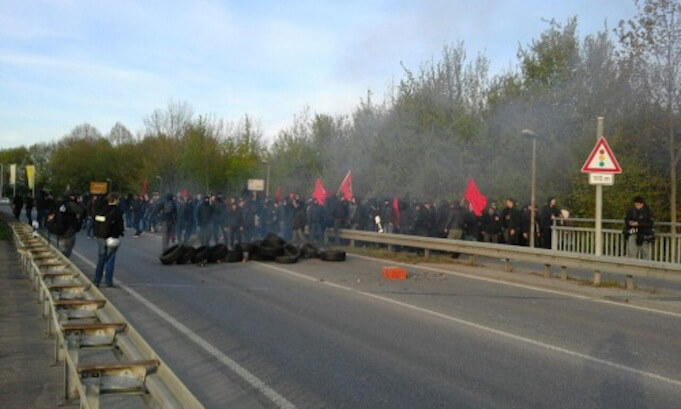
(234, 226)
(547, 215)
(299, 218)
(420, 226)
(204, 219)
(167, 212)
(17, 205)
(108, 227)
(72, 214)
(491, 225)
(526, 216)
(28, 205)
(512, 222)
(639, 230)
(471, 229)
(455, 223)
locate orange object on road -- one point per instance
(394, 273)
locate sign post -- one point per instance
(601, 165)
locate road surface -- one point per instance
(336, 335)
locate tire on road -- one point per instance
(272, 240)
(247, 247)
(200, 255)
(269, 252)
(234, 256)
(286, 259)
(332, 255)
(217, 253)
(291, 250)
(171, 254)
(187, 254)
(308, 250)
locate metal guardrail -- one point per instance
(79, 316)
(633, 267)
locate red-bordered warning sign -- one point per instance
(601, 159)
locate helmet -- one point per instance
(113, 242)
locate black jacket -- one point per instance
(645, 231)
(111, 224)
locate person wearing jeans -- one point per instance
(108, 224)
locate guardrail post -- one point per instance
(92, 395)
(509, 265)
(472, 259)
(352, 243)
(426, 253)
(597, 278)
(547, 270)
(630, 282)
(390, 248)
(563, 273)
(70, 389)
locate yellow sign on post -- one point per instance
(99, 188)
(30, 176)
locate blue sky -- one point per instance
(66, 62)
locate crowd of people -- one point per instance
(213, 218)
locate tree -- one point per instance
(653, 41)
(119, 135)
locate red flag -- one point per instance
(477, 200)
(396, 207)
(346, 186)
(320, 193)
(277, 196)
(145, 186)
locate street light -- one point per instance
(267, 181)
(109, 185)
(160, 189)
(531, 134)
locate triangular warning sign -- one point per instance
(601, 159)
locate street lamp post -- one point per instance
(160, 189)
(267, 180)
(109, 185)
(2, 179)
(530, 133)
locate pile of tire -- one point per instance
(271, 248)
(183, 254)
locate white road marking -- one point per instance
(251, 379)
(524, 286)
(480, 327)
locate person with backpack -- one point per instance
(108, 227)
(64, 220)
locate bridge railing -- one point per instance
(564, 259)
(579, 236)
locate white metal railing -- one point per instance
(666, 248)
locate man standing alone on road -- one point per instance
(639, 230)
(108, 227)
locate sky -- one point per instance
(65, 62)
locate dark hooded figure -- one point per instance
(548, 213)
(639, 230)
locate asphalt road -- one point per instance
(336, 335)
